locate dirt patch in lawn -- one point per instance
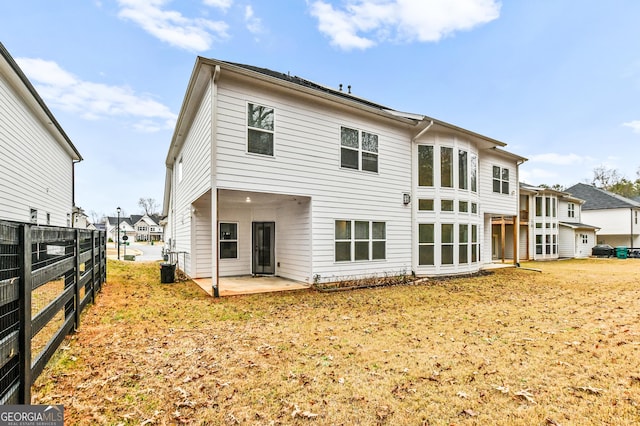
(515, 347)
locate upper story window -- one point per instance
(500, 180)
(571, 210)
(463, 170)
(34, 216)
(260, 129)
(425, 165)
(358, 150)
(473, 173)
(446, 167)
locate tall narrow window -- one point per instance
(475, 245)
(260, 129)
(446, 167)
(447, 243)
(378, 240)
(34, 216)
(343, 240)
(228, 240)
(362, 240)
(571, 210)
(463, 170)
(358, 150)
(425, 165)
(538, 206)
(473, 173)
(426, 244)
(463, 241)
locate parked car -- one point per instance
(603, 250)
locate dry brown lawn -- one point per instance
(515, 347)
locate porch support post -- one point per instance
(503, 236)
(516, 242)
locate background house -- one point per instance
(616, 216)
(37, 160)
(270, 174)
(551, 225)
(135, 227)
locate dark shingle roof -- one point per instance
(306, 83)
(600, 199)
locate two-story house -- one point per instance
(271, 174)
(147, 227)
(551, 225)
(37, 159)
(615, 215)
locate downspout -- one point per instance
(414, 204)
(214, 183)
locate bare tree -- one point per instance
(606, 178)
(149, 205)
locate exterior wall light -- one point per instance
(406, 198)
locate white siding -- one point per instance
(494, 203)
(567, 242)
(242, 264)
(196, 179)
(35, 170)
(293, 241)
(307, 163)
(201, 220)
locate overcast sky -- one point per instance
(558, 81)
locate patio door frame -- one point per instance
(263, 238)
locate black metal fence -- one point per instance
(47, 277)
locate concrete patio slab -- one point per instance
(231, 286)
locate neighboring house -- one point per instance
(616, 216)
(135, 227)
(126, 228)
(147, 227)
(273, 174)
(551, 225)
(37, 157)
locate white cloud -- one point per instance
(94, 101)
(364, 23)
(559, 159)
(220, 4)
(254, 25)
(635, 125)
(197, 34)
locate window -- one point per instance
(463, 170)
(34, 216)
(473, 173)
(228, 240)
(446, 167)
(474, 208)
(447, 243)
(260, 129)
(585, 238)
(358, 150)
(475, 245)
(368, 242)
(571, 210)
(425, 165)
(463, 239)
(463, 206)
(425, 205)
(180, 170)
(500, 180)
(547, 206)
(446, 205)
(538, 206)
(426, 244)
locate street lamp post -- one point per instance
(119, 210)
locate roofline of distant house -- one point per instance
(12, 63)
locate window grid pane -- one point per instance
(463, 172)
(446, 167)
(425, 165)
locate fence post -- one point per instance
(93, 267)
(76, 278)
(24, 344)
